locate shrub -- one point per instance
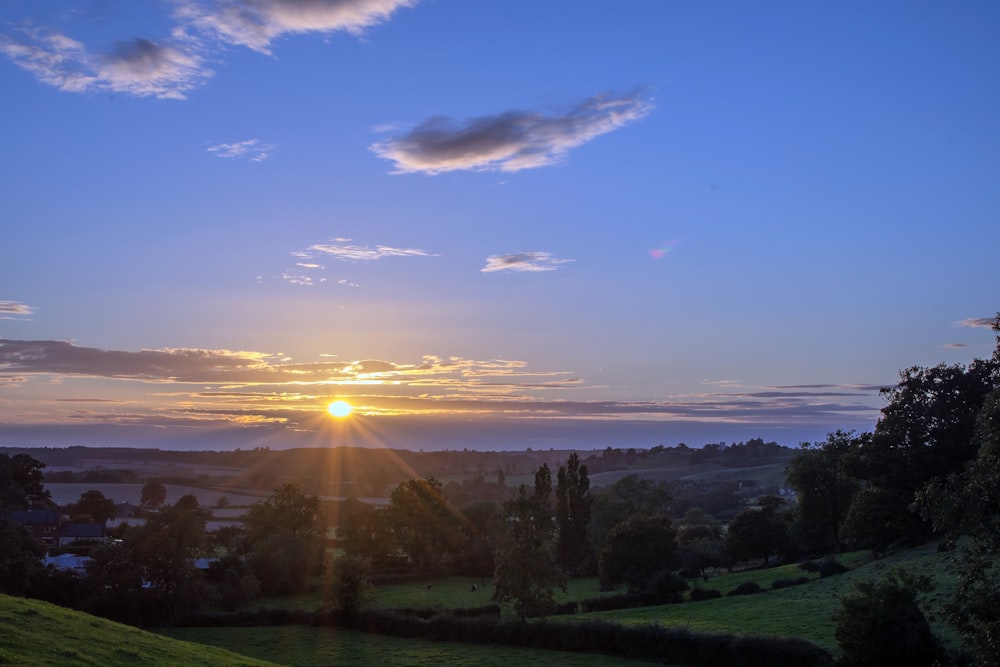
(698, 594)
(809, 566)
(831, 567)
(746, 588)
(785, 583)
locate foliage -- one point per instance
(746, 588)
(627, 497)
(698, 594)
(22, 482)
(362, 532)
(150, 577)
(20, 558)
(831, 567)
(526, 569)
(637, 549)
(153, 494)
(346, 584)
(881, 623)
(573, 502)
(284, 539)
(759, 532)
(93, 505)
(824, 490)
(424, 525)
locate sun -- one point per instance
(339, 409)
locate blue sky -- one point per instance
(490, 224)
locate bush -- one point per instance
(882, 624)
(699, 594)
(746, 588)
(809, 566)
(831, 567)
(785, 583)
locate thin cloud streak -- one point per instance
(977, 322)
(524, 261)
(509, 141)
(10, 310)
(253, 149)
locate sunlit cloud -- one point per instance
(139, 67)
(344, 250)
(523, 261)
(508, 141)
(10, 310)
(252, 149)
(172, 66)
(976, 322)
(257, 23)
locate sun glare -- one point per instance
(339, 408)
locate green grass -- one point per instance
(37, 633)
(317, 646)
(800, 611)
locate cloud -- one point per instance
(10, 310)
(524, 261)
(510, 141)
(257, 23)
(955, 346)
(137, 67)
(977, 322)
(251, 148)
(342, 249)
(169, 68)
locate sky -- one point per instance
(497, 224)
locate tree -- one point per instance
(758, 532)
(153, 495)
(425, 525)
(824, 489)
(346, 584)
(881, 623)
(526, 569)
(20, 558)
(636, 550)
(573, 501)
(627, 497)
(93, 506)
(22, 482)
(285, 538)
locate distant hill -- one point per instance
(39, 633)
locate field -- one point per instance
(37, 633)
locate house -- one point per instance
(75, 533)
(70, 562)
(43, 524)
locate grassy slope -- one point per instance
(37, 633)
(800, 611)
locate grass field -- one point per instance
(37, 633)
(800, 611)
(304, 646)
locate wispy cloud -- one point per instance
(344, 250)
(977, 322)
(955, 346)
(257, 23)
(252, 149)
(139, 67)
(172, 66)
(10, 310)
(523, 261)
(509, 141)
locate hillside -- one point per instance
(37, 633)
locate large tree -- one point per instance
(636, 550)
(22, 483)
(425, 525)
(92, 506)
(824, 490)
(527, 573)
(758, 532)
(573, 501)
(285, 538)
